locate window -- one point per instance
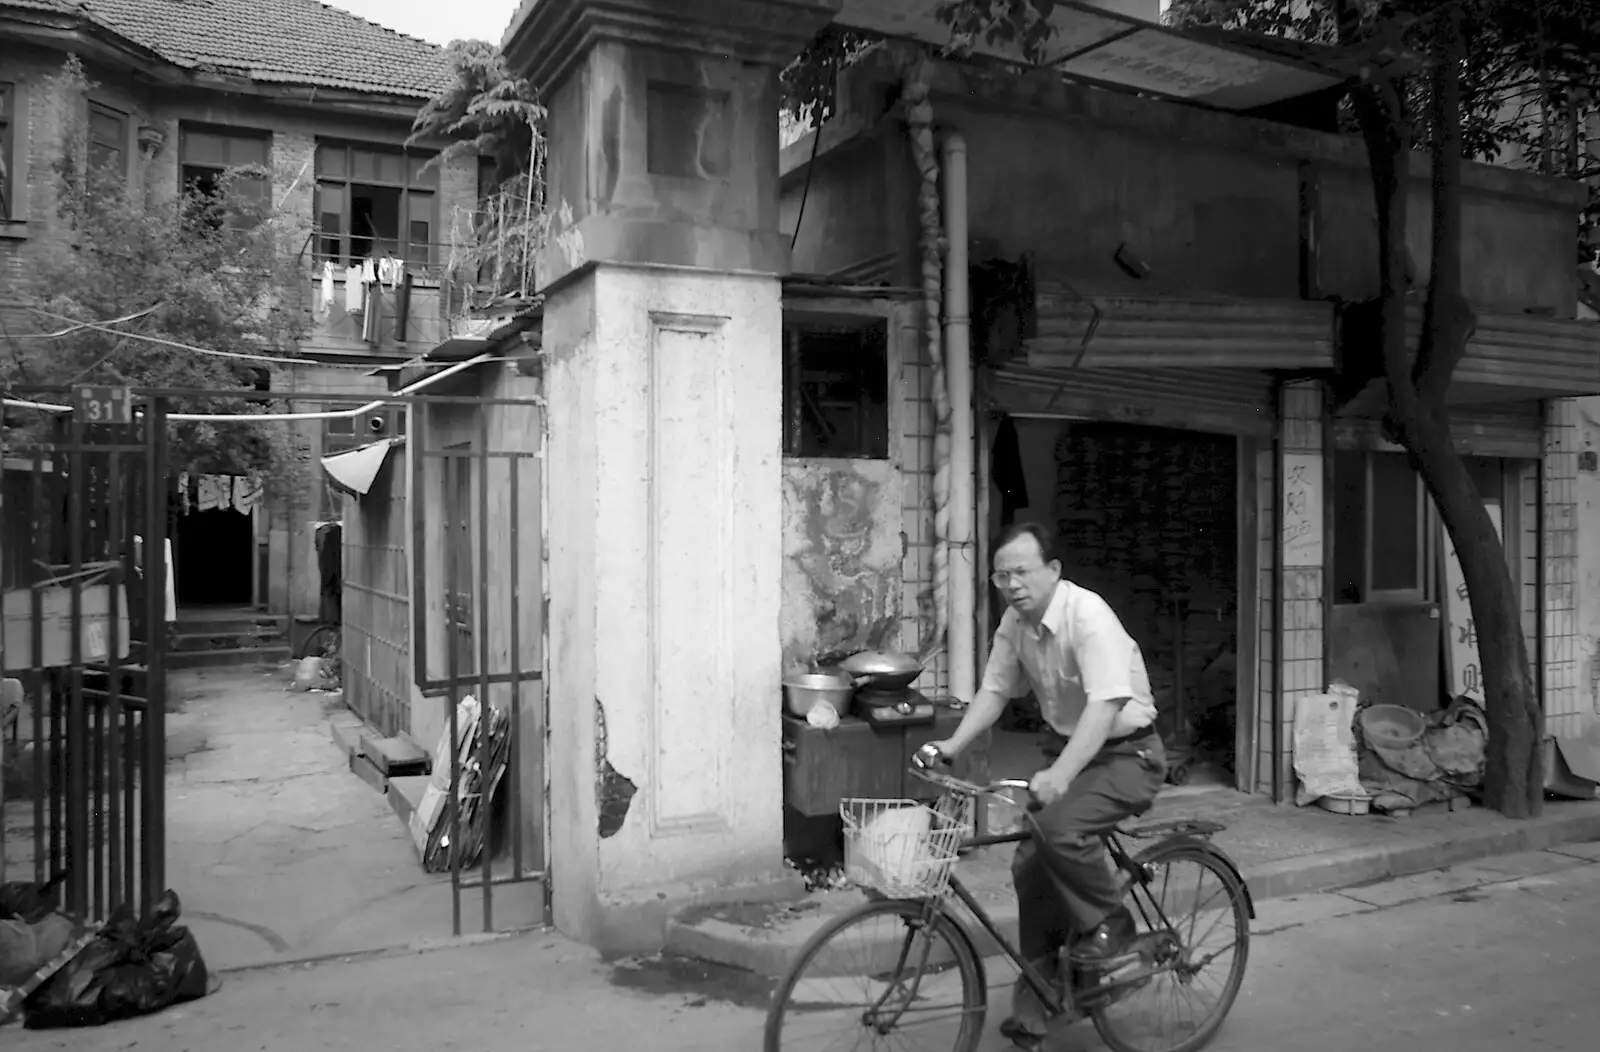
(374, 201)
(1380, 519)
(836, 387)
(205, 155)
(108, 140)
(8, 95)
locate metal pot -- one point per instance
(882, 669)
(802, 691)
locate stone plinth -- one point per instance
(663, 126)
(663, 326)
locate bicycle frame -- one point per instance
(1053, 1001)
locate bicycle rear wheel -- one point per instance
(1192, 951)
(878, 977)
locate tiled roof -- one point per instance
(276, 41)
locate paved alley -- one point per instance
(1488, 956)
(277, 851)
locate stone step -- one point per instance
(242, 625)
(189, 639)
(405, 795)
(262, 655)
(394, 757)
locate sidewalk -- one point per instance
(517, 994)
(1385, 960)
(1282, 852)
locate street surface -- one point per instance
(1496, 955)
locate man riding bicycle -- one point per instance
(1066, 644)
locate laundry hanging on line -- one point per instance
(219, 493)
(354, 291)
(325, 302)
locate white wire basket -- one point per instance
(903, 849)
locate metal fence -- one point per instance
(85, 632)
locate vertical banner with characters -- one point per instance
(1461, 635)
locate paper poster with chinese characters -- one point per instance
(1461, 634)
(1302, 509)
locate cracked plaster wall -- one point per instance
(842, 557)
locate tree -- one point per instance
(1461, 78)
(485, 111)
(488, 113)
(199, 291)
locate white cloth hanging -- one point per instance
(354, 291)
(325, 307)
(246, 494)
(183, 492)
(214, 491)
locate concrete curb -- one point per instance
(413, 948)
(770, 950)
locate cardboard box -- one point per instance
(94, 629)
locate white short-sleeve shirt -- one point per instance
(1078, 653)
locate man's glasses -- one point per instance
(1001, 578)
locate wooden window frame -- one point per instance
(228, 133)
(872, 419)
(340, 187)
(8, 151)
(125, 122)
(1424, 541)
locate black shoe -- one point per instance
(1108, 940)
(1020, 1035)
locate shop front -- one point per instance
(1154, 433)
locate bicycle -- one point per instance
(906, 864)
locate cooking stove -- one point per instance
(904, 707)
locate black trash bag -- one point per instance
(132, 968)
(29, 902)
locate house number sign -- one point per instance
(105, 405)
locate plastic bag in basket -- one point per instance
(895, 843)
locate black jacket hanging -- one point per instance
(1005, 468)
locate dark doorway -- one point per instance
(1148, 518)
(213, 550)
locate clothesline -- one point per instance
(386, 272)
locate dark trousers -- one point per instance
(1064, 879)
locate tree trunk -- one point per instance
(1513, 778)
(1419, 413)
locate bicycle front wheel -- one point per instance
(1193, 945)
(879, 977)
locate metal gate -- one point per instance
(83, 528)
(477, 545)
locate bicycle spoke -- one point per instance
(1189, 993)
(882, 981)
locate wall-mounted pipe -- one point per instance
(958, 373)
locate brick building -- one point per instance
(323, 100)
(1155, 302)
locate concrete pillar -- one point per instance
(1565, 702)
(1302, 546)
(663, 323)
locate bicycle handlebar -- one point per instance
(926, 759)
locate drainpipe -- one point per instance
(958, 373)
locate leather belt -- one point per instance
(1052, 748)
(1133, 736)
